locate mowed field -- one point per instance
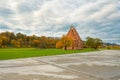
(13, 53)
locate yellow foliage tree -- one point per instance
(64, 42)
(4, 41)
(16, 43)
(59, 44)
(36, 43)
(0, 42)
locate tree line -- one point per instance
(20, 40)
(89, 43)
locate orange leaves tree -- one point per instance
(64, 42)
(20, 40)
(4, 41)
(59, 44)
(15, 43)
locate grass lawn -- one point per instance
(109, 49)
(13, 53)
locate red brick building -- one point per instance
(77, 43)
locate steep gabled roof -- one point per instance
(72, 33)
(77, 43)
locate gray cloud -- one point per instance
(5, 12)
(4, 26)
(95, 18)
(21, 30)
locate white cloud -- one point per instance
(114, 15)
(53, 17)
(104, 12)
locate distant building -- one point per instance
(77, 43)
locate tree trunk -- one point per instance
(65, 48)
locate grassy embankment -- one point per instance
(13, 53)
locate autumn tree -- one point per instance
(51, 42)
(0, 43)
(10, 39)
(36, 43)
(16, 44)
(64, 42)
(59, 44)
(4, 40)
(43, 42)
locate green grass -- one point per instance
(13, 53)
(109, 49)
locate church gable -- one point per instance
(76, 40)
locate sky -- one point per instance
(94, 18)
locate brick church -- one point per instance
(77, 43)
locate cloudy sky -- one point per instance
(95, 18)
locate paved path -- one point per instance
(100, 65)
